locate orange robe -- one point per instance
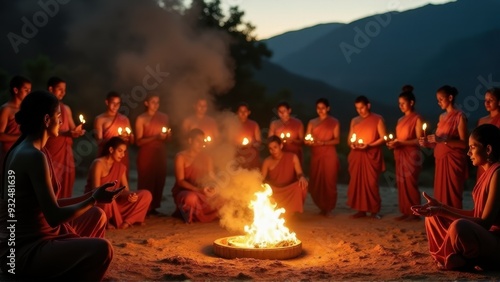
(194, 205)
(464, 238)
(248, 156)
(496, 122)
(451, 163)
(59, 252)
(286, 189)
(324, 166)
(152, 160)
(11, 128)
(365, 167)
(292, 126)
(112, 131)
(208, 125)
(61, 152)
(408, 164)
(121, 210)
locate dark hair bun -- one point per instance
(407, 88)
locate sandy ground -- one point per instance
(334, 248)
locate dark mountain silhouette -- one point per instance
(428, 47)
(305, 91)
(292, 41)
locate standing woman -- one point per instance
(248, 154)
(407, 154)
(46, 245)
(151, 131)
(449, 143)
(492, 105)
(290, 129)
(325, 134)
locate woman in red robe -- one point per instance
(492, 105)
(323, 134)
(130, 207)
(289, 129)
(152, 131)
(248, 140)
(282, 171)
(449, 145)
(47, 244)
(365, 159)
(194, 193)
(467, 239)
(407, 154)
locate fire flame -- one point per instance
(268, 229)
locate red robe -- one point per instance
(208, 125)
(61, 152)
(408, 164)
(112, 131)
(194, 205)
(324, 166)
(152, 160)
(121, 210)
(451, 163)
(248, 156)
(43, 251)
(292, 126)
(11, 128)
(452, 242)
(496, 122)
(365, 166)
(286, 189)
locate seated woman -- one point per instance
(464, 239)
(282, 171)
(129, 208)
(47, 231)
(194, 198)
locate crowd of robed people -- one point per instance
(37, 132)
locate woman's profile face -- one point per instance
(443, 100)
(118, 153)
(54, 123)
(197, 143)
(405, 105)
(491, 103)
(477, 152)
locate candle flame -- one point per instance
(391, 136)
(385, 138)
(424, 126)
(282, 135)
(120, 131)
(360, 141)
(128, 130)
(309, 137)
(208, 139)
(353, 138)
(82, 120)
(245, 141)
(288, 135)
(164, 130)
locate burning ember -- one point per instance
(266, 238)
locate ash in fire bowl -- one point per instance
(234, 247)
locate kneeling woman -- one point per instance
(283, 172)
(462, 239)
(193, 195)
(129, 208)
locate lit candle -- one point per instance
(245, 141)
(208, 139)
(164, 130)
(82, 120)
(282, 135)
(309, 138)
(353, 138)
(128, 130)
(360, 141)
(288, 135)
(120, 130)
(391, 136)
(424, 127)
(385, 138)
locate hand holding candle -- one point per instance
(82, 119)
(424, 127)
(309, 139)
